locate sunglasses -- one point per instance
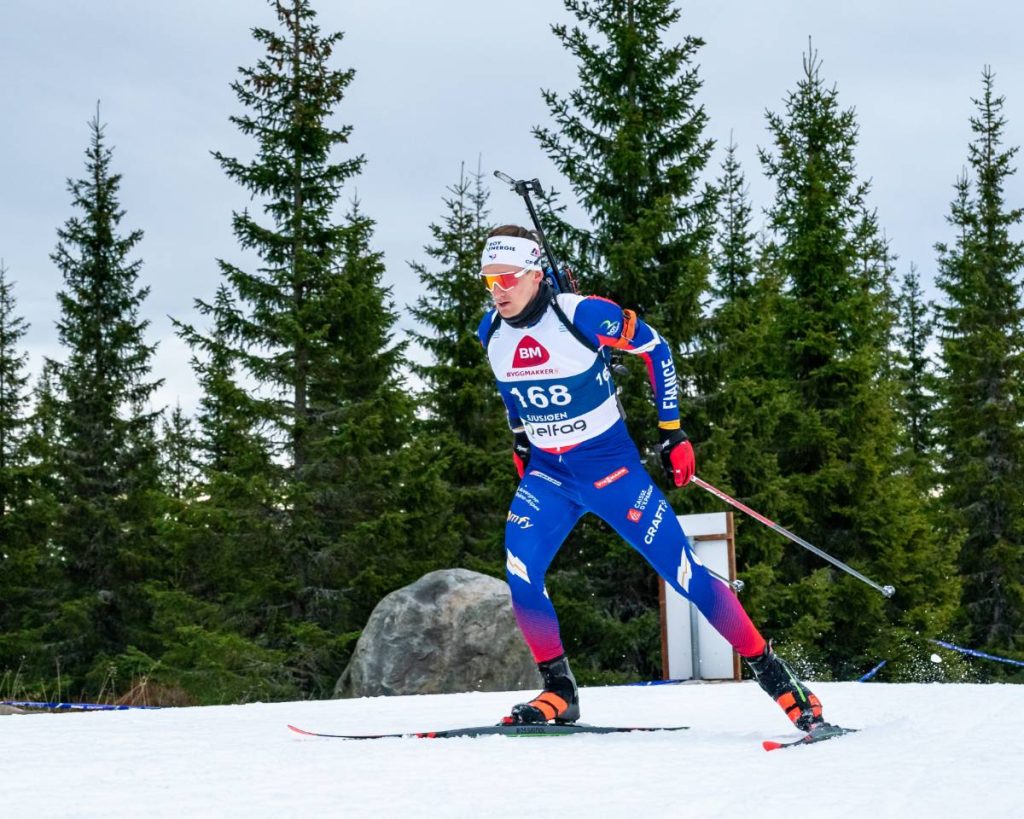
(506, 281)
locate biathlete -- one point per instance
(573, 455)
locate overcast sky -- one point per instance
(438, 84)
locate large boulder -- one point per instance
(451, 631)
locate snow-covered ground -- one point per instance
(925, 751)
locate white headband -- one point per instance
(512, 250)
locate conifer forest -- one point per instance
(233, 552)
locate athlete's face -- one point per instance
(511, 293)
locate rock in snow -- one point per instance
(451, 631)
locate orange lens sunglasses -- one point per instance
(506, 281)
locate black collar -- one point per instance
(532, 313)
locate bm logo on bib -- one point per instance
(530, 353)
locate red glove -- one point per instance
(520, 451)
(677, 456)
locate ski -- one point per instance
(527, 730)
(819, 735)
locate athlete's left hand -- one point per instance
(677, 456)
(520, 451)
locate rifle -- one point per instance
(561, 276)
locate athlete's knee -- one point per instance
(685, 572)
(518, 573)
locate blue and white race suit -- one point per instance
(556, 385)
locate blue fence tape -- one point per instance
(972, 653)
(873, 671)
(952, 646)
(77, 706)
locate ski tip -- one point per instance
(300, 731)
(768, 745)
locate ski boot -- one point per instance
(779, 682)
(559, 701)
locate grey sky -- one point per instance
(438, 84)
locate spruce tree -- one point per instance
(630, 141)
(177, 454)
(737, 404)
(222, 614)
(728, 334)
(106, 459)
(22, 552)
(735, 263)
(179, 479)
(451, 305)
(837, 441)
(13, 395)
(464, 424)
(915, 377)
(311, 331)
(230, 439)
(982, 412)
(365, 420)
(234, 518)
(31, 583)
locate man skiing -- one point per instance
(573, 455)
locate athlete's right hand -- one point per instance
(520, 450)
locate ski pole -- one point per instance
(887, 591)
(736, 585)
